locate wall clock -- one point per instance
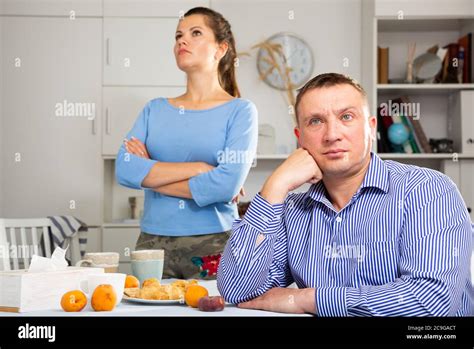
(285, 61)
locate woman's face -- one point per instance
(196, 47)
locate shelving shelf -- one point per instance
(427, 156)
(414, 89)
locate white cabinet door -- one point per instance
(461, 121)
(139, 51)
(94, 240)
(120, 240)
(424, 8)
(121, 108)
(51, 98)
(150, 8)
(467, 187)
(1, 118)
(69, 8)
(125, 268)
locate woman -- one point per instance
(186, 152)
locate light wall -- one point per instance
(2, 158)
(331, 27)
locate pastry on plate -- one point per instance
(132, 292)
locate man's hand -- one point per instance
(284, 300)
(299, 168)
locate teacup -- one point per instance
(107, 260)
(91, 281)
(147, 264)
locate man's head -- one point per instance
(334, 124)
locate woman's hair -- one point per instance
(223, 33)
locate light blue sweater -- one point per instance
(224, 136)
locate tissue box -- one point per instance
(22, 291)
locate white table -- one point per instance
(177, 310)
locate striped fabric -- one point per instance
(63, 230)
(400, 247)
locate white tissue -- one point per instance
(56, 262)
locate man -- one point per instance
(369, 237)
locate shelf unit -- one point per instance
(437, 116)
(432, 98)
(426, 32)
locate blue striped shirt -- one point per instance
(400, 247)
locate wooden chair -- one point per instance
(30, 232)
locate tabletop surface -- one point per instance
(126, 308)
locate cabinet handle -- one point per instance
(107, 121)
(107, 51)
(94, 130)
(470, 141)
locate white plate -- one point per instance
(152, 301)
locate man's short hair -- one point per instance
(327, 80)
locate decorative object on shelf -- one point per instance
(285, 62)
(382, 64)
(266, 139)
(136, 206)
(465, 43)
(398, 133)
(442, 145)
(411, 56)
(457, 62)
(460, 64)
(426, 67)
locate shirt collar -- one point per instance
(377, 176)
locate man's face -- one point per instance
(334, 126)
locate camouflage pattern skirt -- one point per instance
(187, 257)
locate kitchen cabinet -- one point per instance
(467, 190)
(122, 106)
(149, 8)
(52, 162)
(460, 172)
(121, 240)
(422, 8)
(139, 52)
(1, 119)
(51, 8)
(94, 239)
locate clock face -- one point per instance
(294, 54)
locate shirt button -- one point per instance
(338, 219)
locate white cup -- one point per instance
(117, 280)
(147, 264)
